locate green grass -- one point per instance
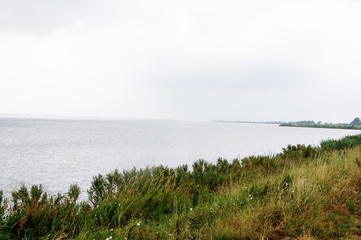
(304, 192)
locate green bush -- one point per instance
(346, 142)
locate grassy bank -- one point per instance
(307, 192)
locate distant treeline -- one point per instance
(323, 126)
(355, 124)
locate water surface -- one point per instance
(57, 153)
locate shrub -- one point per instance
(346, 142)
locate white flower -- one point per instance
(191, 209)
(110, 237)
(138, 223)
(250, 195)
(111, 229)
(251, 198)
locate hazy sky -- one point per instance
(186, 59)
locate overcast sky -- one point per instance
(185, 60)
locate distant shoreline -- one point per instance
(351, 127)
(253, 122)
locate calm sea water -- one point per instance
(57, 153)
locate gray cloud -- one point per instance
(43, 16)
(226, 73)
(190, 59)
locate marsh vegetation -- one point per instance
(304, 191)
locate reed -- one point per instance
(304, 191)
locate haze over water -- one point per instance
(57, 153)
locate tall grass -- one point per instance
(346, 142)
(304, 191)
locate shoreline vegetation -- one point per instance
(355, 124)
(305, 192)
(334, 126)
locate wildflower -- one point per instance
(250, 195)
(191, 209)
(138, 223)
(111, 229)
(293, 191)
(110, 237)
